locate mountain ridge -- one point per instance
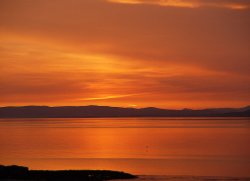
(93, 111)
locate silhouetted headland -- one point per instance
(106, 111)
(23, 173)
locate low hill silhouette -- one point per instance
(23, 173)
(106, 111)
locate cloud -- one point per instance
(108, 97)
(215, 38)
(229, 4)
(62, 52)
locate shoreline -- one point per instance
(22, 173)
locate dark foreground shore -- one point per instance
(23, 173)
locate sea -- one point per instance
(157, 149)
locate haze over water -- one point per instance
(144, 146)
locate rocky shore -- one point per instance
(8, 173)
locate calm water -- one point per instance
(144, 146)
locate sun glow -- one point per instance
(107, 97)
(133, 105)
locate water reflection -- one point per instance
(183, 146)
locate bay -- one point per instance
(142, 146)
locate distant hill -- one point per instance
(106, 111)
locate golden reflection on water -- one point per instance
(142, 146)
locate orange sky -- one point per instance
(169, 54)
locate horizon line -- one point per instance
(52, 106)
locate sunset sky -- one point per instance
(129, 53)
